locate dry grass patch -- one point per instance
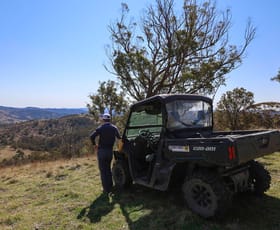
(6, 152)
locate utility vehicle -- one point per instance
(169, 141)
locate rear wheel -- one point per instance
(121, 175)
(260, 178)
(206, 194)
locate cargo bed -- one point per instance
(224, 148)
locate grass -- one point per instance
(67, 195)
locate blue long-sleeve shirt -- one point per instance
(107, 133)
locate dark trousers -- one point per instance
(104, 162)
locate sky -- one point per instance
(52, 52)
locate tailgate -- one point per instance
(258, 144)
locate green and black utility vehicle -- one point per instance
(169, 141)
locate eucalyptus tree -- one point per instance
(233, 108)
(170, 51)
(108, 97)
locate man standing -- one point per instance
(107, 133)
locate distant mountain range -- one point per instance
(10, 115)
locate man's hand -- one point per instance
(95, 148)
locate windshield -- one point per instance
(188, 114)
(146, 117)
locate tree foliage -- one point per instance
(108, 97)
(277, 77)
(168, 52)
(233, 109)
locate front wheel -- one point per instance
(121, 175)
(206, 194)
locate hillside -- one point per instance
(66, 194)
(53, 138)
(10, 115)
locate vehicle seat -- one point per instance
(140, 150)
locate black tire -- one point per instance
(260, 178)
(206, 194)
(121, 175)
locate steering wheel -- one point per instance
(144, 133)
(148, 136)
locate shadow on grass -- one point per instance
(255, 212)
(143, 208)
(101, 206)
(149, 209)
